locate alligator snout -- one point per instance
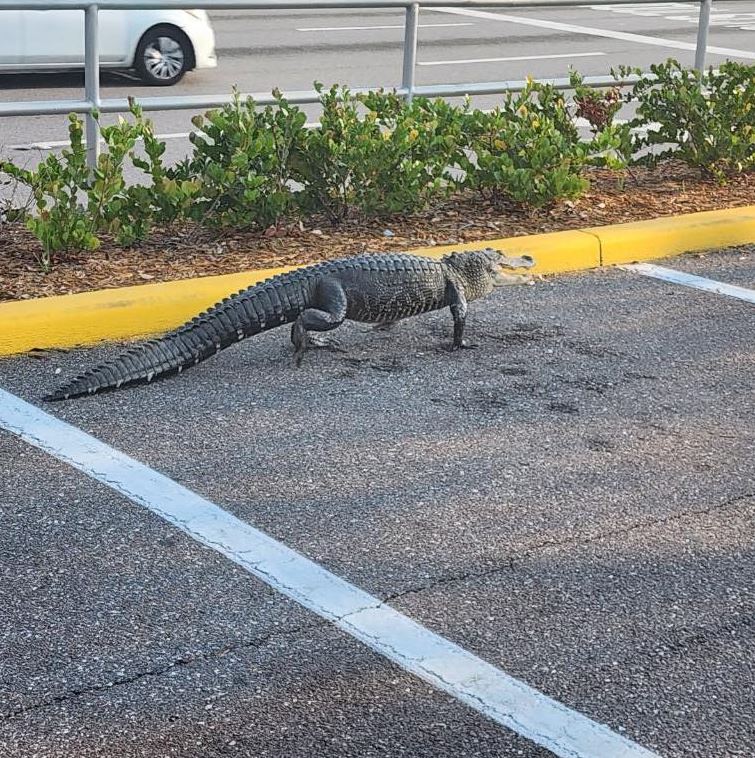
(522, 261)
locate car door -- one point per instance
(11, 37)
(56, 38)
(53, 38)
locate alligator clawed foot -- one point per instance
(463, 345)
(326, 343)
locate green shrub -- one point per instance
(73, 204)
(612, 147)
(528, 150)
(241, 163)
(374, 155)
(611, 144)
(61, 223)
(165, 199)
(377, 155)
(107, 206)
(706, 120)
(597, 105)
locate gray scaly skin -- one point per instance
(378, 289)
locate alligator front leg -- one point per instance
(458, 307)
(328, 312)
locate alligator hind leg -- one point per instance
(384, 326)
(329, 312)
(325, 343)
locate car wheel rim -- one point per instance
(164, 58)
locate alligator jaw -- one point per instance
(522, 261)
(502, 278)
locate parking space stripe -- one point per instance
(370, 28)
(610, 33)
(553, 56)
(445, 665)
(691, 280)
(52, 144)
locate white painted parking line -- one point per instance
(691, 280)
(687, 12)
(55, 144)
(644, 9)
(369, 28)
(52, 144)
(442, 663)
(512, 58)
(592, 31)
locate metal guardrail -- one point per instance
(92, 100)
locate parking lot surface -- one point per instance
(572, 501)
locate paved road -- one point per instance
(572, 501)
(262, 50)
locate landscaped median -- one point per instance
(134, 312)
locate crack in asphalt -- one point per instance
(701, 636)
(668, 647)
(180, 662)
(531, 550)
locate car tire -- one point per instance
(164, 54)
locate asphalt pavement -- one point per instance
(572, 501)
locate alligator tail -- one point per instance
(257, 309)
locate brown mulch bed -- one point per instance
(187, 252)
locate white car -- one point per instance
(161, 46)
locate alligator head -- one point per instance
(501, 263)
(483, 270)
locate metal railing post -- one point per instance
(410, 49)
(92, 81)
(702, 34)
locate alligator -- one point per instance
(373, 288)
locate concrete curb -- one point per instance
(134, 312)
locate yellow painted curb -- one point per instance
(132, 312)
(662, 237)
